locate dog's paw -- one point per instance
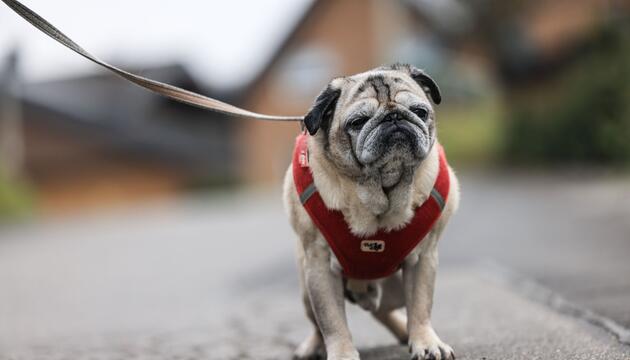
(430, 347)
(312, 348)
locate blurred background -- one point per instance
(535, 118)
(526, 83)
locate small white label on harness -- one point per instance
(372, 245)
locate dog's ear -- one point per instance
(323, 110)
(427, 84)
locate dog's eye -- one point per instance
(357, 123)
(421, 112)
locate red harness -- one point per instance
(381, 254)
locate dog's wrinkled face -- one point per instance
(378, 122)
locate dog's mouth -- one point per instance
(399, 138)
(393, 132)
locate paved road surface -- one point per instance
(213, 278)
(571, 234)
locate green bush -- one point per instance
(585, 115)
(471, 133)
(15, 200)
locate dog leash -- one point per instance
(170, 91)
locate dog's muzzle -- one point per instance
(395, 128)
(395, 131)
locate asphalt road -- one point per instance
(570, 233)
(530, 267)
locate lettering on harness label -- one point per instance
(372, 245)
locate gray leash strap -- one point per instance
(167, 90)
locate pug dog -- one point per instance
(376, 175)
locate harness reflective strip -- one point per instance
(307, 193)
(311, 189)
(438, 198)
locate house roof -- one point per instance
(90, 97)
(132, 119)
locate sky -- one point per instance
(224, 43)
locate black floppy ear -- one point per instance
(323, 110)
(427, 84)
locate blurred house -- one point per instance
(96, 140)
(333, 38)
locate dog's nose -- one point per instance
(393, 116)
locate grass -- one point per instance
(471, 133)
(16, 200)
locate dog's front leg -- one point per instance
(325, 290)
(419, 281)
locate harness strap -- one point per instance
(311, 189)
(167, 90)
